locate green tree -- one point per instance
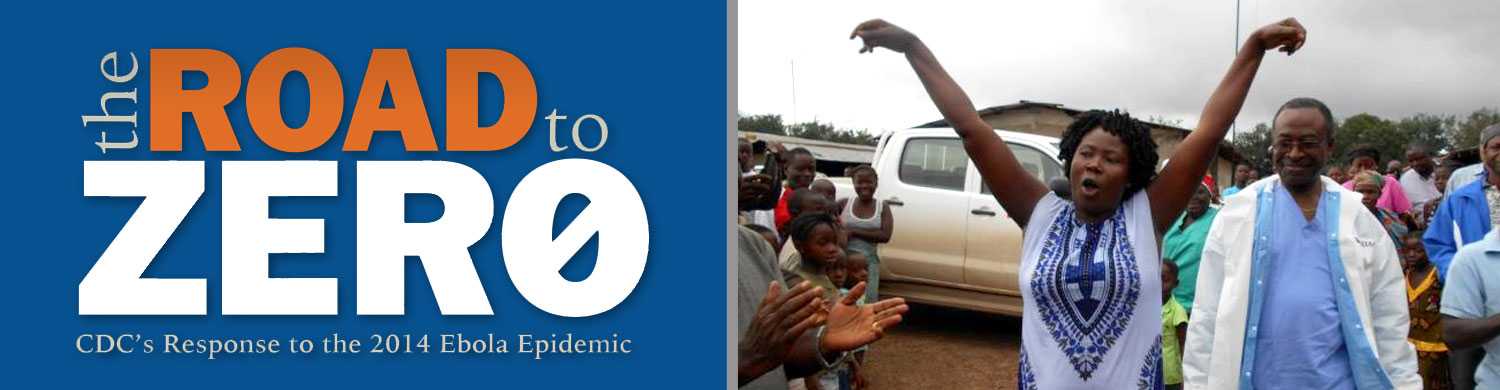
(763, 123)
(1253, 145)
(827, 132)
(1427, 130)
(1368, 129)
(1465, 134)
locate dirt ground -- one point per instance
(941, 348)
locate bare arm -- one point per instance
(994, 160)
(1170, 191)
(1462, 333)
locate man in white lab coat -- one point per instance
(1299, 286)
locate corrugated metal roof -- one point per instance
(823, 150)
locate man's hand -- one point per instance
(780, 319)
(1288, 35)
(852, 326)
(879, 33)
(775, 147)
(754, 189)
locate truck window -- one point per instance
(934, 162)
(1040, 165)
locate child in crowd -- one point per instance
(858, 272)
(1173, 327)
(858, 267)
(868, 221)
(842, 274)
(834, 378)
(1423, 296)
(838, 273)
(815, 249)
(824, 187)
(801, 167)
(815, 241)
(804, 202)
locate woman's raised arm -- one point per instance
(1170, 191)
(1015, 189)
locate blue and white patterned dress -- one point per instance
(1092, 294)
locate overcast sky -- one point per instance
(1152, 58)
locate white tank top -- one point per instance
(850, 220)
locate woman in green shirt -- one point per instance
(1183, 243)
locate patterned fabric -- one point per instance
(1424, 296)
(1087, 323)
(1492, 195)
(1025, 379)
(1151, 370)
(1090, 288)
(1394, 226)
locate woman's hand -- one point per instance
(1287, 35)
(879, 33)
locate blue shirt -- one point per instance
(1462, 218)
(1231, 190)
(1300, 343)
(1474, 275)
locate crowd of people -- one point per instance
(1315, 276)
(804, 235)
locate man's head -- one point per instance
(1242, 174)
(1301, 140)
(800, 168)
(1419, 160)
(745, 152)
(1393, 167)
(1489, 149)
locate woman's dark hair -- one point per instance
(802, 226)
(1139, 146)
(1364, 150)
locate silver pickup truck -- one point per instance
(953, 244)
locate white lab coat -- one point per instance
(1216, 331)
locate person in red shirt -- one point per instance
(800, 168)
